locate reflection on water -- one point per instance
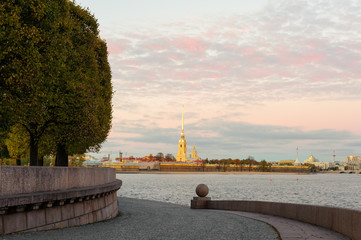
(342, 190)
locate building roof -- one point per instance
(311, 159)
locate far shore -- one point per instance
(225, 173)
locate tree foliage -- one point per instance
(55, 77)
(32, 61)
(86, 119)
(159, 157)
(17, 143)
(76, 160)
(169, 157)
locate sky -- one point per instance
(257, 78)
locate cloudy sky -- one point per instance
(256, 79)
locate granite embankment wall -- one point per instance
(181, 167)
(344, 221)
(42, 198)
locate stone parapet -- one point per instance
(200, 202)
(341, 220)
(69, 202)
(20, 179)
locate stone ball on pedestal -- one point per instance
(202, 190)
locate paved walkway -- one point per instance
(293, 230)
(142, 219)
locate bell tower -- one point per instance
(182, 144)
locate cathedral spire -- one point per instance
(297, 162)
(183, 118)
(182, 144)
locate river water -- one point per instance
(341, 190)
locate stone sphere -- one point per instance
(202, 190)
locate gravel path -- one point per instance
(144, 219)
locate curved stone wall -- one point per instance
(42, 198)
(344, 221)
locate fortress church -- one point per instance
(182, 147)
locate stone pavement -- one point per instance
(143, 219)
(291, 229)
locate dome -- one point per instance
(311, 159)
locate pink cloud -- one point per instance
(248, 50)
(194, 85)
(296, 59)
(117, 46)
(216, 68)
(114, 134)
(188, 44)
(285, 73)
(173, 56)
(260, 73)
(114, 49)
(130, 63)
(156, 47)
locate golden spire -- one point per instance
(182, 143)
(182, 121)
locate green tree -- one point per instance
(264, 166)
(204, 163)
(218, 163)
(310, 165)
(237, 162)
(17, 143)
(225, 164)
(32, 61)
(76, 160)
(55, 76)
(86, 90)
(160, 157)
(4, 153)
(169, 157)
(3, 136)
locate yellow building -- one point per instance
(287, 162)
(311, 159)
(182, 144)
(194, 154)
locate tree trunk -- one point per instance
(33, 151)
(41, 161)
(18, 162)
(61, 158)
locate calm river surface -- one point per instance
(342, 190)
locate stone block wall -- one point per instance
(20, 179)
(344, 221)
(43, 198)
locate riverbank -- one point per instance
(215, 173)
(144, 219)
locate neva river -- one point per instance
(342, 190)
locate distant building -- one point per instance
(91, 163)
(287, 162)
(322, 165)
(194, 155)
(311, 159)
(89, 157)
(317, 163)
(353, 159)
(297, 162)
(182, 144)
(353, 162)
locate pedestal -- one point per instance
(200, 202)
